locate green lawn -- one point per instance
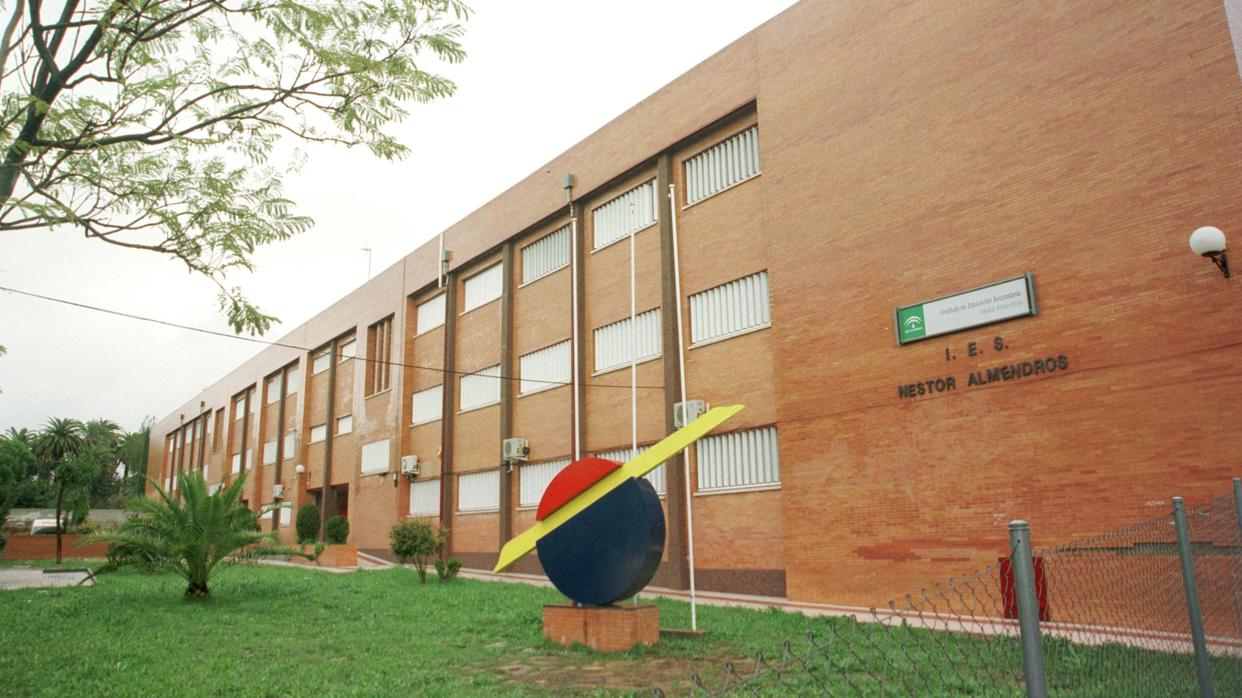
(272, 631)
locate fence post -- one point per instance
(1192, 600)
(1028, 609)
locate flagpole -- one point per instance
(681, 359)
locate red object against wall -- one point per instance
(1010, 598)
(571, 481)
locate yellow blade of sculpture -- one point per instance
(646, 461)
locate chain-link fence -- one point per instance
(1114, 620)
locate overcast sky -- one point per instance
(540, 76)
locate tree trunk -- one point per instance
(197, 590)
(60, 524)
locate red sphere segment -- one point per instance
(572, 481)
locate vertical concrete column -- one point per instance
(326, 496)
(448, 409)
(674, 478)
(205, 418)
(245, 430)
(280, 443)
(506, 390)
(178, 455)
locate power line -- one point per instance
(267, 342)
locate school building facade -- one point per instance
(784, 199)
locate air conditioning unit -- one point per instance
(514, 450)
(278, 491)
(688, 411)
(409, 466)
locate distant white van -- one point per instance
(43, 526)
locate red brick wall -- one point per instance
(26, 547)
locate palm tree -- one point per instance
(193, 536)
(60, 441)
(23, 435)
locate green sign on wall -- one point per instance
(1003, 300)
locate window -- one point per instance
(321, 362)
(739, 460)
(546, 368)
(430, 314)
(345, 425)
(269, 452)
(286, 513)
(722, 165)
(379, 354)
(534, 479)
(427, 405)
(275, 385)
(612, 342)
(236, 463)
(628, 213)
(425, 498)
(214, 488)
(295, 379)
(478, 491)
(348, 351)
(480, 388)
(545, 255)
(267, 512)
(736, 307)
(484, 287)
(624, 455)
(291, 444)
(375, 457)
(319, 433)
(188, 434)
(215, 439)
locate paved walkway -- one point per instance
(32, 577)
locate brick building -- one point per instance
(840, 161)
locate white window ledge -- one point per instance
(478, 511)
(624, 237)
(731, 335)
(766, 487)
(718, 193)
(626, 365)
(546, 274)
(479, 407)
(467, 312)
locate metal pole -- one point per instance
(685, 454)
(1192, 600)
(1028, 609)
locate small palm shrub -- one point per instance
(448, 569)
(417, 541)
(336, 529)
(194, 536)
(308, 524)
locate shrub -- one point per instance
(448, 570)
(193, 535)
(417, 541)
(336, 529)
(308, 523)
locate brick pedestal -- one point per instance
(603, 628)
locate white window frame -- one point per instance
(321, 362)
(532, 364)
(424, 486)
(541, 247)
(732, 476)
(489, 373)
(437, 393)
(348, 422)
(291, 444)
(481, 489)
(275, 387)
(295, 377)
(616, 211)
(619, 330)
(480, 284)
(429, 314)
(534, 478)
(348, 351)
(375, 457)
(319, 433)
(740, 143)
(711, 321)
(658, 475)
(269, 452)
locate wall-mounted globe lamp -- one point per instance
(1209, 242)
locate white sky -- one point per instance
(540, 76)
